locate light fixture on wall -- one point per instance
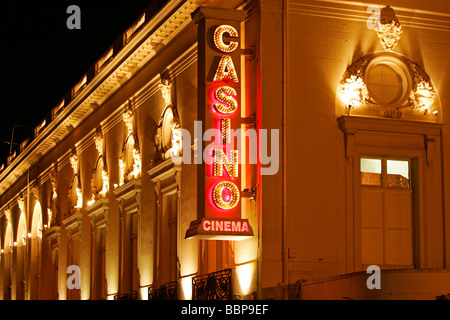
(354, 92)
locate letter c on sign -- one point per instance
(218, 38)
(206, 225)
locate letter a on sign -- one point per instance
(73, 281)
(374, 281)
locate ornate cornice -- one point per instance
(137, 51)
(356, 11)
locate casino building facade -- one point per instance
(271, 149)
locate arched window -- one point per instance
(36, 251)
(21, 257)
(7, 262)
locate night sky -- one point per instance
(42, 59)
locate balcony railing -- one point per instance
(213, 286)
(133, 295)
(167, 291)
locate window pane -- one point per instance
(397, 173)
(371, 172)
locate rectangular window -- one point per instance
(397, 173)
(385, 172)
(370, 172)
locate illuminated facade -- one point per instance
(242, 149)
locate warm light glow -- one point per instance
(177, 141)
(90, 202)
(144, 293)
(79, 198)
(245, 275)
(49, 215)
(225, 95)
(218, 195)
(105, 185)
(122, 172)
(186, 284)
(425, 96)
(218, 38)
(137, 163)
(226, 70)
(221, 161)
(352, 90)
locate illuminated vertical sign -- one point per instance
(219, 99)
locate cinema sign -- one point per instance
(219, 92)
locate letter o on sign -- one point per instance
(233, 198)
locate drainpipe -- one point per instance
(29, 244)
(285, 279)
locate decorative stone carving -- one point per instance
(76, 195)
(53, 217)
(423, 94)
(74, 162)
(389, 30)
(100, 177)
(130, 161)
(53, 179)
(8, 215)
(166, 89)
(98, 140)
(49, 217)
(419, 94)
(21, 204)
(128, 118)
(168, 138)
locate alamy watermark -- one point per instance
(374, 20)
(74, 20)
(263, 146)
(373, 281)
(73, 280)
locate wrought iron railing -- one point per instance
(167, 291)
(213, 286)
(133, 295)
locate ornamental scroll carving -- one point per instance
(130, 161)
(388, 84)
(419, 97)
(168, 138)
